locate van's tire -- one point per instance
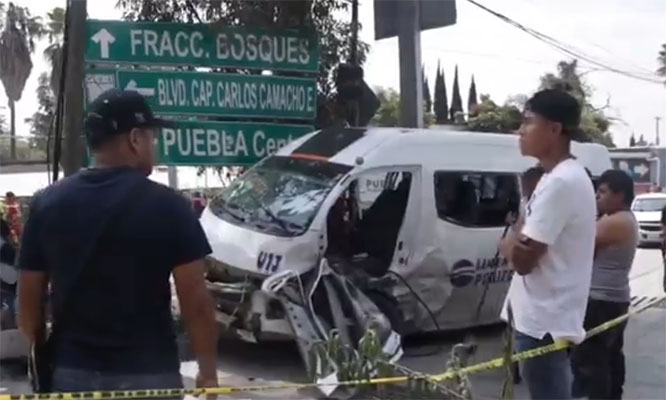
(389, 307)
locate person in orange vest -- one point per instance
(10, 210)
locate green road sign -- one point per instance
(201, 45)
(201, 93)
(223, 143)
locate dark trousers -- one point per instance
(598, 363)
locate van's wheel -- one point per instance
(389, 307)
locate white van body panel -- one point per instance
(448, 265)
(258, 252)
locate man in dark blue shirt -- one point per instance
(107, 240)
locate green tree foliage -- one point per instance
(661, 69)
(427, 99)
(17, 40)
(492, 117)
(388, 114)
(456, 100)
(40, 122)
(3, 122)
(55, 30)
(389, 109)
(472, 101)
(594, 122)
(641, 141)
(324, 16)
(441, 103)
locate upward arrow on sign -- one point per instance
(104, 38)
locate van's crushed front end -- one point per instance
(267, 273)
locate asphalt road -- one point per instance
(250, 364)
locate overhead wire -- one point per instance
(592, 43)
(568, 49)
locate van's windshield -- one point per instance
(279, 196)
(654, 204)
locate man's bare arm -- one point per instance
(612, 230)
(522, 252)
(32, 286)
(198, 313)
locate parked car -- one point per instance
(647, 209)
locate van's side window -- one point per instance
(476, 199)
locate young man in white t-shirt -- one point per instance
(552, 247)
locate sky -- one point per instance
(504, 60)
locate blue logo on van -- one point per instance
(462, 273)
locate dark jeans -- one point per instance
(548, 376)
(598, 363)
(78, 380)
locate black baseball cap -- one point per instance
(119, 111)
(558, 106)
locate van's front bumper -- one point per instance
(247, 313)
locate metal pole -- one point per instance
(355, 107)
(73, 90)
(173, 176)
(411, 81)
(354, 38)
(657, 141)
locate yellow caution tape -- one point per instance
(223, 390)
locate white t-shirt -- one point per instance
(552, 298)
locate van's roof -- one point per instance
(436, 148)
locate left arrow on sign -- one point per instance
(104, 38)
(147, 92)
(641, 169)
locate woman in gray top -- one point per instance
(598, 363)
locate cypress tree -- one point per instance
(456, 100)
(441, 99)
(427, 99)
(472, 101)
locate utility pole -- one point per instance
(173, 176)
(409, 47)
(354, 38)
(73, 149)
(355, 106)
(657, 139)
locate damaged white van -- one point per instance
(349, 228)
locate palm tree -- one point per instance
(55, 29)
(3, 122)
(662, 61)
(17, 41)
